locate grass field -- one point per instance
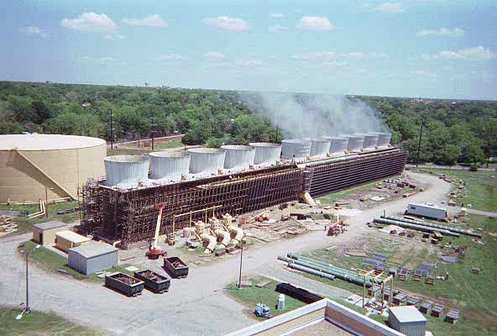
(344, 194)
(481, 187)
(250, 296)
(24, 224)
(39, 324)
(474, 294)
(55, 263)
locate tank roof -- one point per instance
(169, 154)
(125, 158)
(264, 144)
(203, 150)
(303, 140)
(237, 147)
(47, 141)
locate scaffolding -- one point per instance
(130, 215)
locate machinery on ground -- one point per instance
(262, 310)
(154, 251)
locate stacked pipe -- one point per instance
(326, 268)
(437, 226)
(418, 227)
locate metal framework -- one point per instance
(130, 215)
(326, 176)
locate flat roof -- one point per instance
(49, 225)
(72, 236)
(322, 328)
(47, 141)
(432, 206)
(405, 314)
(93, 249)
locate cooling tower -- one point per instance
(238, 156)
(370, 140)
(126, 170)
(266, 152)
(320, 146)
(384, 139)
(338, 145)
(295, 149)
(356, 142)
(169, 164)
(206, 160)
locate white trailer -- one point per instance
(427, 210)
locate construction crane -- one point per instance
(154, 251)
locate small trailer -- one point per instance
(175, 267)
(124, 283)
(427, 211)
(154, 282)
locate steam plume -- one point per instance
(314, 115)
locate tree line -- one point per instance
(452, 131)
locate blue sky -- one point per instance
(428, 48)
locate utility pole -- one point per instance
(419, 142)
(27, 308)
(111, 131)
(241, 263)
(46, 202)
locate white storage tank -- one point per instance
(206, 160)
(266, 152)
(320, 146)
(338, 145)
(356, 142)
(370, 140)
(384, 139)
(295, 149)
(126, 170)
(238, 156)
(169, 164)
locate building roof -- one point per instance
(49, 225)
(72, 236)
(427, 205)
(322, 328)
(93, 249)
(405, 314)
(324, 318)
(46, 141)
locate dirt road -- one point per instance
(194, 306)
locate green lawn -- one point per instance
(250, 296)
(475, 295)
(39, 324)
(25, 224)
(53, 262)
(481, 187)
(331, 198)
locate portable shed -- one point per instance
(44, 233)
(67, 239)
(408, 320)
(92, 257)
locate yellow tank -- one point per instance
(38, 166)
